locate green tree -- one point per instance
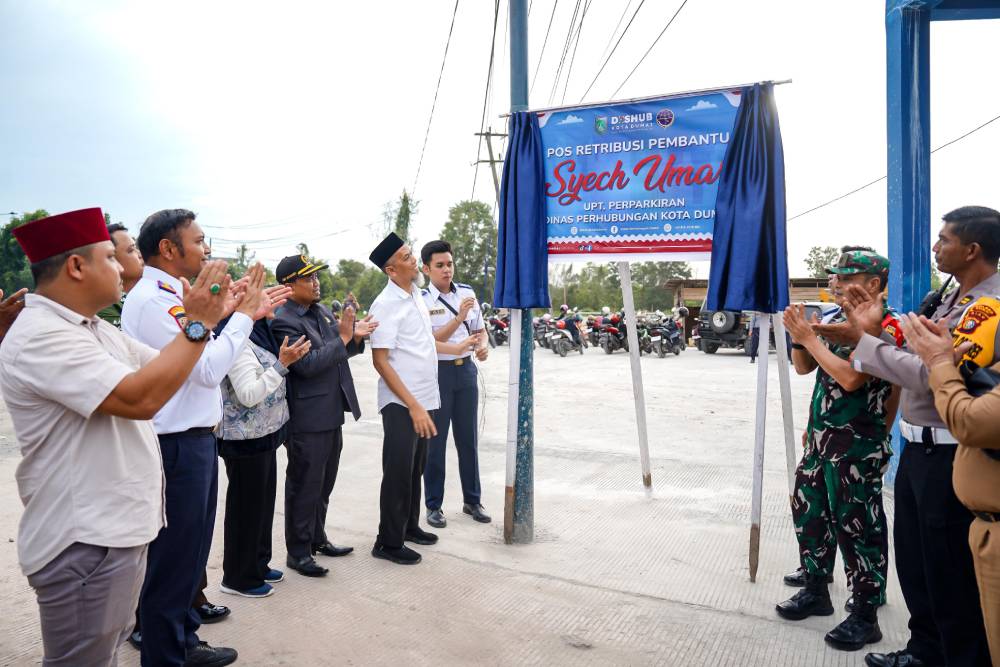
(820, 257)
(245, 258)
(649, 283)
(353, 276)
(15, 272)
(398, 215)
(473, 237)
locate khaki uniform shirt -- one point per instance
(975, 422)
(902, 367)
(84, 476)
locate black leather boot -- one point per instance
(813, 600)
(857, 630)
(797, 579)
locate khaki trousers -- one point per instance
(984, 540)
(86, 600)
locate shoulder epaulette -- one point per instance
(166, 287)
(425, 292)
(463, 285)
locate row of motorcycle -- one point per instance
(658, 333)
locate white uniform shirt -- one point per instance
(84, 476)
(404, 328)
(440, 315)
(154, 315)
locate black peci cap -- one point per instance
(385, 250)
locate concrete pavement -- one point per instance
(614, 577)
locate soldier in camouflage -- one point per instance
(838, 483)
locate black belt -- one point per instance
(992, 517)
(196, 430)
(461, 361)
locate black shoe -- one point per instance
(306, 566)
(419, 536)
(797, 579)
(403, 555)
(212, 613)
(436, 518)
(813, 600)
(850, 607)
(895, 659)
(857, 630)
(204, 655)
(135, 639)
(331, 550)
(477, 512)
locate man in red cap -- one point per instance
(81, 396)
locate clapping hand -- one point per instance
(364, 327)
(10, 308)
(346, 324)
(272, 299)
(931, 341)
(797, 325)
(252, 298)
(289, 354)
(201, 302)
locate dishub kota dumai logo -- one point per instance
(601, 124)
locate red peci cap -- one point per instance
(56, 234)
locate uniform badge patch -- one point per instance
(166, 287)
(437, 311)
(177, 312)
(965, 301)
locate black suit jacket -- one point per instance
(320, 385)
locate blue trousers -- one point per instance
(459, 408)
(178, 555)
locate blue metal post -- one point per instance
(907, 26)
(524, 480)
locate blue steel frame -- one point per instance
(907, 32)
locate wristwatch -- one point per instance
(196, 332)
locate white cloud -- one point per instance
(570, 120)
(702, 104)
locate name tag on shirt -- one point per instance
(437, 311)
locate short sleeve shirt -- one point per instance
(84, 476)
(851, 424)
(404, 328)
(438, 303)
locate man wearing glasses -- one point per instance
(320, 391)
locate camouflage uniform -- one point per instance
(838, 482)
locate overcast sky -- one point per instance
(281, 122)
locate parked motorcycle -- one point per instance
(667, 337)
(497, 330)
(562, 341)
(612, 336)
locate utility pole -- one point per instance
(519, 496)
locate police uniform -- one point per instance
(153, 314)
(459, 388)
(931, 527)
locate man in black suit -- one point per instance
(320, 391)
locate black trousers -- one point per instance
(459, 407)
(933, 560)
(313, 460)
(404, 455)
(249, 516)
(178, 555)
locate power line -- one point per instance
(565, 52)
(629, 25)
(882, 178)
(655, 41)
(569, 70)
(444, 59)
(614, 32)
(542, 52)
(486, 97)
